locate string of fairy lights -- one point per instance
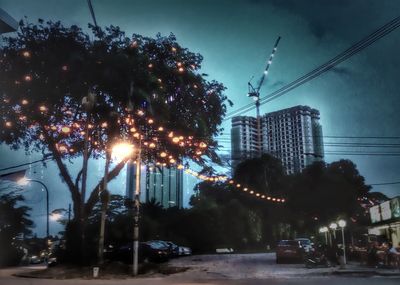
(72, 130)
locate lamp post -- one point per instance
(342, 225)
(119, 152)
(324, 230)
(136, 212)
(24, 181)
(333, 227)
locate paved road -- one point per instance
(240, 269)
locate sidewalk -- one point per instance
(354, 268)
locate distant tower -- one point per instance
(293, 135)
(164, 185)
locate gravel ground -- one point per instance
(242, 266)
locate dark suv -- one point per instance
(289, 250)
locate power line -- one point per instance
(28, 163)
(354, 49)
(385, 183)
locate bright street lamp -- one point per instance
(324, 230)
(342, 224)
(333, 226)
(122, 150)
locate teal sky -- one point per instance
(360, 97)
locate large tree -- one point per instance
(72, 94)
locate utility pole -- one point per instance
(136, 211)
(255, 93)
(104, 202)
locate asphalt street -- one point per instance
(241, 269)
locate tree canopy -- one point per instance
(60, 87)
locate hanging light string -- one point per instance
(70, 134)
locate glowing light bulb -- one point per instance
(26, 54)
(152, 145)
(203, 145)
(173, 49)
(62, 148)
(245, 189)
(171, 134)
(66, 130)
(140, 113)
(181, 69)
(64, 67)
(8, 124)
(160, 129)
(150, 65)
(238, 185)
(27, 78)
(43, 108)
(198, 152)
(104, 125)
(172, 160)
(150, 121)
(163, 154)
(24, 102)
(132, 130)
(175, 139)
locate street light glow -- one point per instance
(342, 223)
(323, 230)
(23, 181)
(55, 216)
(122, 150)
(333, 226)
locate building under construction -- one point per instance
(293, 135)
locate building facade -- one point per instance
(293, 135)
(163, 185)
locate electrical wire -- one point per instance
(354, 49)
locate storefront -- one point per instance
(385, 221)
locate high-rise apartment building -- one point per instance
(293, 135)
(164, 185)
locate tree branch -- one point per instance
(63, 170)
(78, 177)
(94, 196)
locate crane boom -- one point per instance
(268, 65)
(255, 93)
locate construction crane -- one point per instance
(255, 92)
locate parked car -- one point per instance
(305, 243)
(148, 251)
(289, 250)
(183, 250)
(174, 249)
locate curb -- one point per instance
(365, 272)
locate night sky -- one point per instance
(358, 98)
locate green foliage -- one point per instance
(263, 175)
(61, 87)
(14, 224)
